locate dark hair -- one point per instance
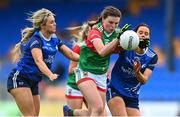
(83, 30)
(142, 24)
(108, 11)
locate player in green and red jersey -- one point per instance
(94, 62)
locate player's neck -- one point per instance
(46, 34)
(140, 51)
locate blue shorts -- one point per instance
(17, 80)
(129, 102)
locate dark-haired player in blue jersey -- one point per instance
(37, 48)
(131, 70)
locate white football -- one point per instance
(129, 40)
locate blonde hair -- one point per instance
(37, 18)
(82, 31)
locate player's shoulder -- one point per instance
(150, 52)
(79, 43)
(54, 36)
(35, 37)
(98, 27)
(95, 31)
(36, 34)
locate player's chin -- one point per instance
(53, 31)
(111, 30)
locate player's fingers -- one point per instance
(134, 63)
(138, 69)
(138, 63)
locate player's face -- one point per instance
(143, 32)
(50, 25)
(110, 23)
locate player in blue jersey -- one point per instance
(131, 70)
(36, 49)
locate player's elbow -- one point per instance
(102, 54)
(143, 81)
(38, 61)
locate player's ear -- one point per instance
(42, 25)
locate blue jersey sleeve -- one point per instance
(35, 42)
(153, 62)
(60, 43)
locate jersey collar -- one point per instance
(47, 39)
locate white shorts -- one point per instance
(73, 93)
(100, 80)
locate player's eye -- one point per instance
(116, 23)
(140, 32)
(111, 22)
(146, 33)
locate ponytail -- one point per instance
(82, 31)
(92, 23)
(37, 19)
(26, 34)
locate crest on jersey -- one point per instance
(85, 73)
(70, 91)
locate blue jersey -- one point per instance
(27, 65)
(123, 77)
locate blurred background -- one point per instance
(160, 96)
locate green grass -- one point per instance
(48, 108)
(8, 108)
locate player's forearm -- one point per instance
(43, 68)
(141, 78)
(71, 71)
(108, 48)
(69, 53)
(74, 56)
(72, 66)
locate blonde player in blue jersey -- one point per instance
(131, 70)
(36, 51)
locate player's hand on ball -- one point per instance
(123, 29)
(129, 40)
